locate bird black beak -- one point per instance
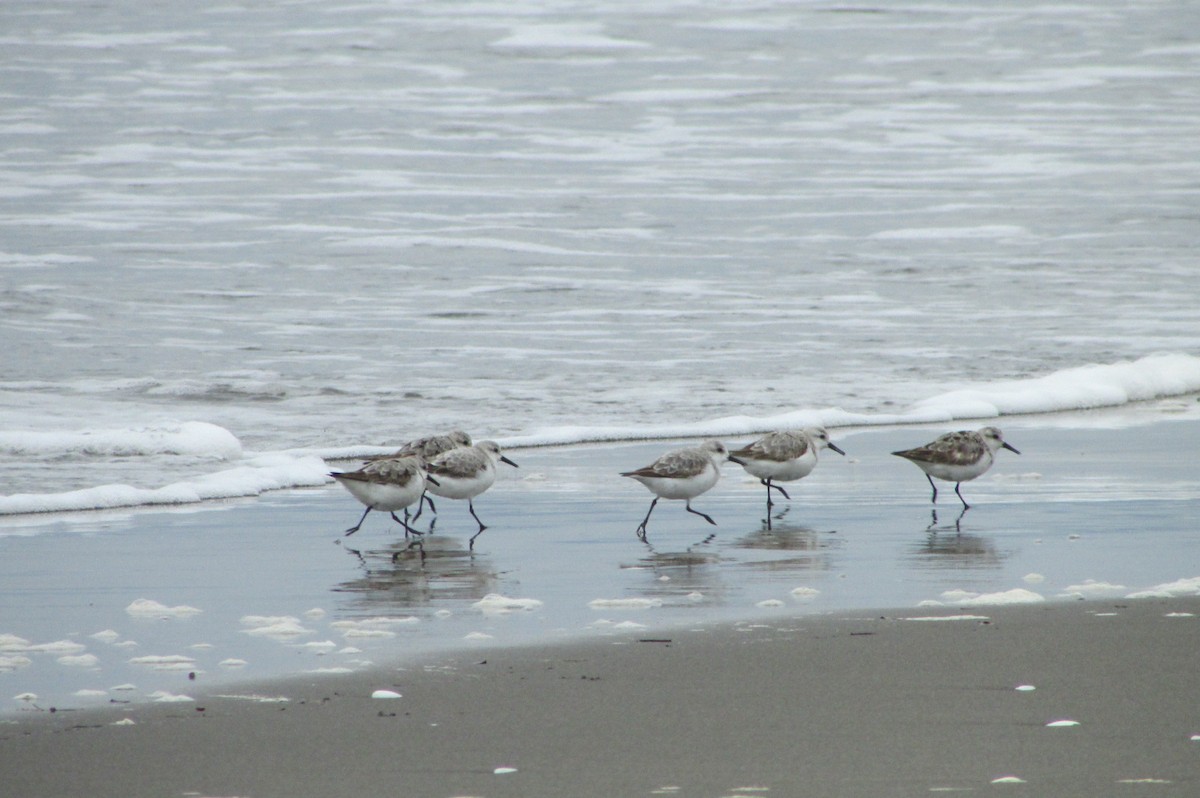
(504, 459)
(1010, 447)
(737, 460)
(837, 449)
(432, 481)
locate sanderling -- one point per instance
(386, 485)
(682, 474)
(466, 472)
(957, 457)
(427, 448)
(784, 456)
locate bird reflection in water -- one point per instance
(797, 548)
(682, 577)
(405, 576)
(945, 546)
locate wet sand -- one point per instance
(818, 706)
(749, 665)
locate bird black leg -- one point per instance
(934, 499)
(641, 530)
(697, 512)
(408, 530)
(960, 498)
(421, 506)
(471, 507)
(772, 486)
(354, 528)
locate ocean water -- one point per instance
(238, 241)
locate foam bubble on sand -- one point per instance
(167, 697)
(63, 648)
(1092, 589)
(1180, 587)
(1018, 595)
(386, 694)
(769, 603)
(1024, 688)
(946, 618)
(166, 662)
(124, 722)
(804, 593)
(625, 604)
(1061, 724)
(1008, 780)
(79, 661)
(233, 662)
(378, 627)
(256, 698)
(280, 627)
(12, 662)
(494, 603)
(478, 636)
(107, 636)
(148, 608)
(86, 693)
(1033, 579)
(320, 647)
(26, 697)
(629, 626)
(10, 642)
(502, 771)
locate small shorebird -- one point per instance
(464, 473)
(784, 456)
(427, 448)
(957, 457)
(682, 474)
(386, 485)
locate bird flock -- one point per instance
(451, 466)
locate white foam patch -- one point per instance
(279, 627)
(58, 647)
(13, 662)
(232, 662)
(947, 618)
(386, 694)
(195, 438)
(10, 642)
(167, 697)
(148, 608)
(1180, 587)
(1061, 724)
(165, 662)
(1017, 595)
(79, 661)
(1090, 588)
(106, 636)
(1008, 780)
(87, 693)
(625, 604)
(255, 476)
(804, 593)
(496, 603)
(769, 603)
(478, 636)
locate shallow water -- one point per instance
(1061, 522)
(336, 225)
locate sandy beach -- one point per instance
(894, 704)
(564, 657)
